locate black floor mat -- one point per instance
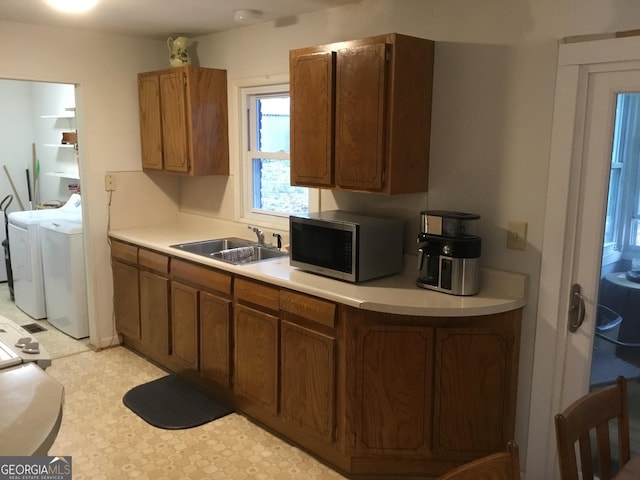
(33, 328)
(173, 404)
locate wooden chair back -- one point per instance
(589, 414)
(499, 466)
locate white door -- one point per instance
(592, 201)
(590, 75)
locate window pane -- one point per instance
(273, 124)
(612, 207)
(272, 191)
(634, 237)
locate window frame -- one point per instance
(244, 201)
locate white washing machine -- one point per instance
(26, 258)
(65, 287)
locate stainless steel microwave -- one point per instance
(346, 246)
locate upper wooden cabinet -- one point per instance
(361, 114)
(184, 121)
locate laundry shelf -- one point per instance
(72, 175)
(68, 113)
(60, 145)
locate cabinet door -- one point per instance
(154, 311)
(312, 113)
(175, 135)
(394, 395)
(256, 356)
(215, 318)
(308, 367)
(125, 299)
(361, 88)
(472, 364)
(150, 121)
(184, 325)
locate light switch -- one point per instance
(516, 235)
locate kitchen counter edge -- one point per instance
(501, 291)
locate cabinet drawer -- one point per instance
(309, 308)
(153, 261)
(204, 277)
(124, 252)
(257, 294)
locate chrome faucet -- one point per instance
(259, 233)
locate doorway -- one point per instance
(616, 343)
(39, 143)
(590, 77)
(40, 166)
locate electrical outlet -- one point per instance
(109, 182)
(516, 235)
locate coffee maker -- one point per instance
(449, 252)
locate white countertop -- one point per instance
(500, 291)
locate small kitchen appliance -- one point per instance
(345, 245)
(449, 252)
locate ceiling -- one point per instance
(161, 18)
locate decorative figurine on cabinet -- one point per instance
(179, 54)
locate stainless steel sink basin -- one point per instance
(248, 254)
(232, 250)
(208, 247)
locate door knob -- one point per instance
(576, 308)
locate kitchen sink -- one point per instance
(248, 254)
(208, 247)
(232, 250)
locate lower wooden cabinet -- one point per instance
(394, 376)
(308, 372)
(474, 381)
(184, 325)
(308, 365)
(255, 335)
(215, 335)
(442, 390)
(200, 316)
(373, 394)
(256, 356)
(154, 301)
(126, 297)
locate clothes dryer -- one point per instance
(26, 258)
(65, 286)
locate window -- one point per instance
(622, 227)
(267, 193)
